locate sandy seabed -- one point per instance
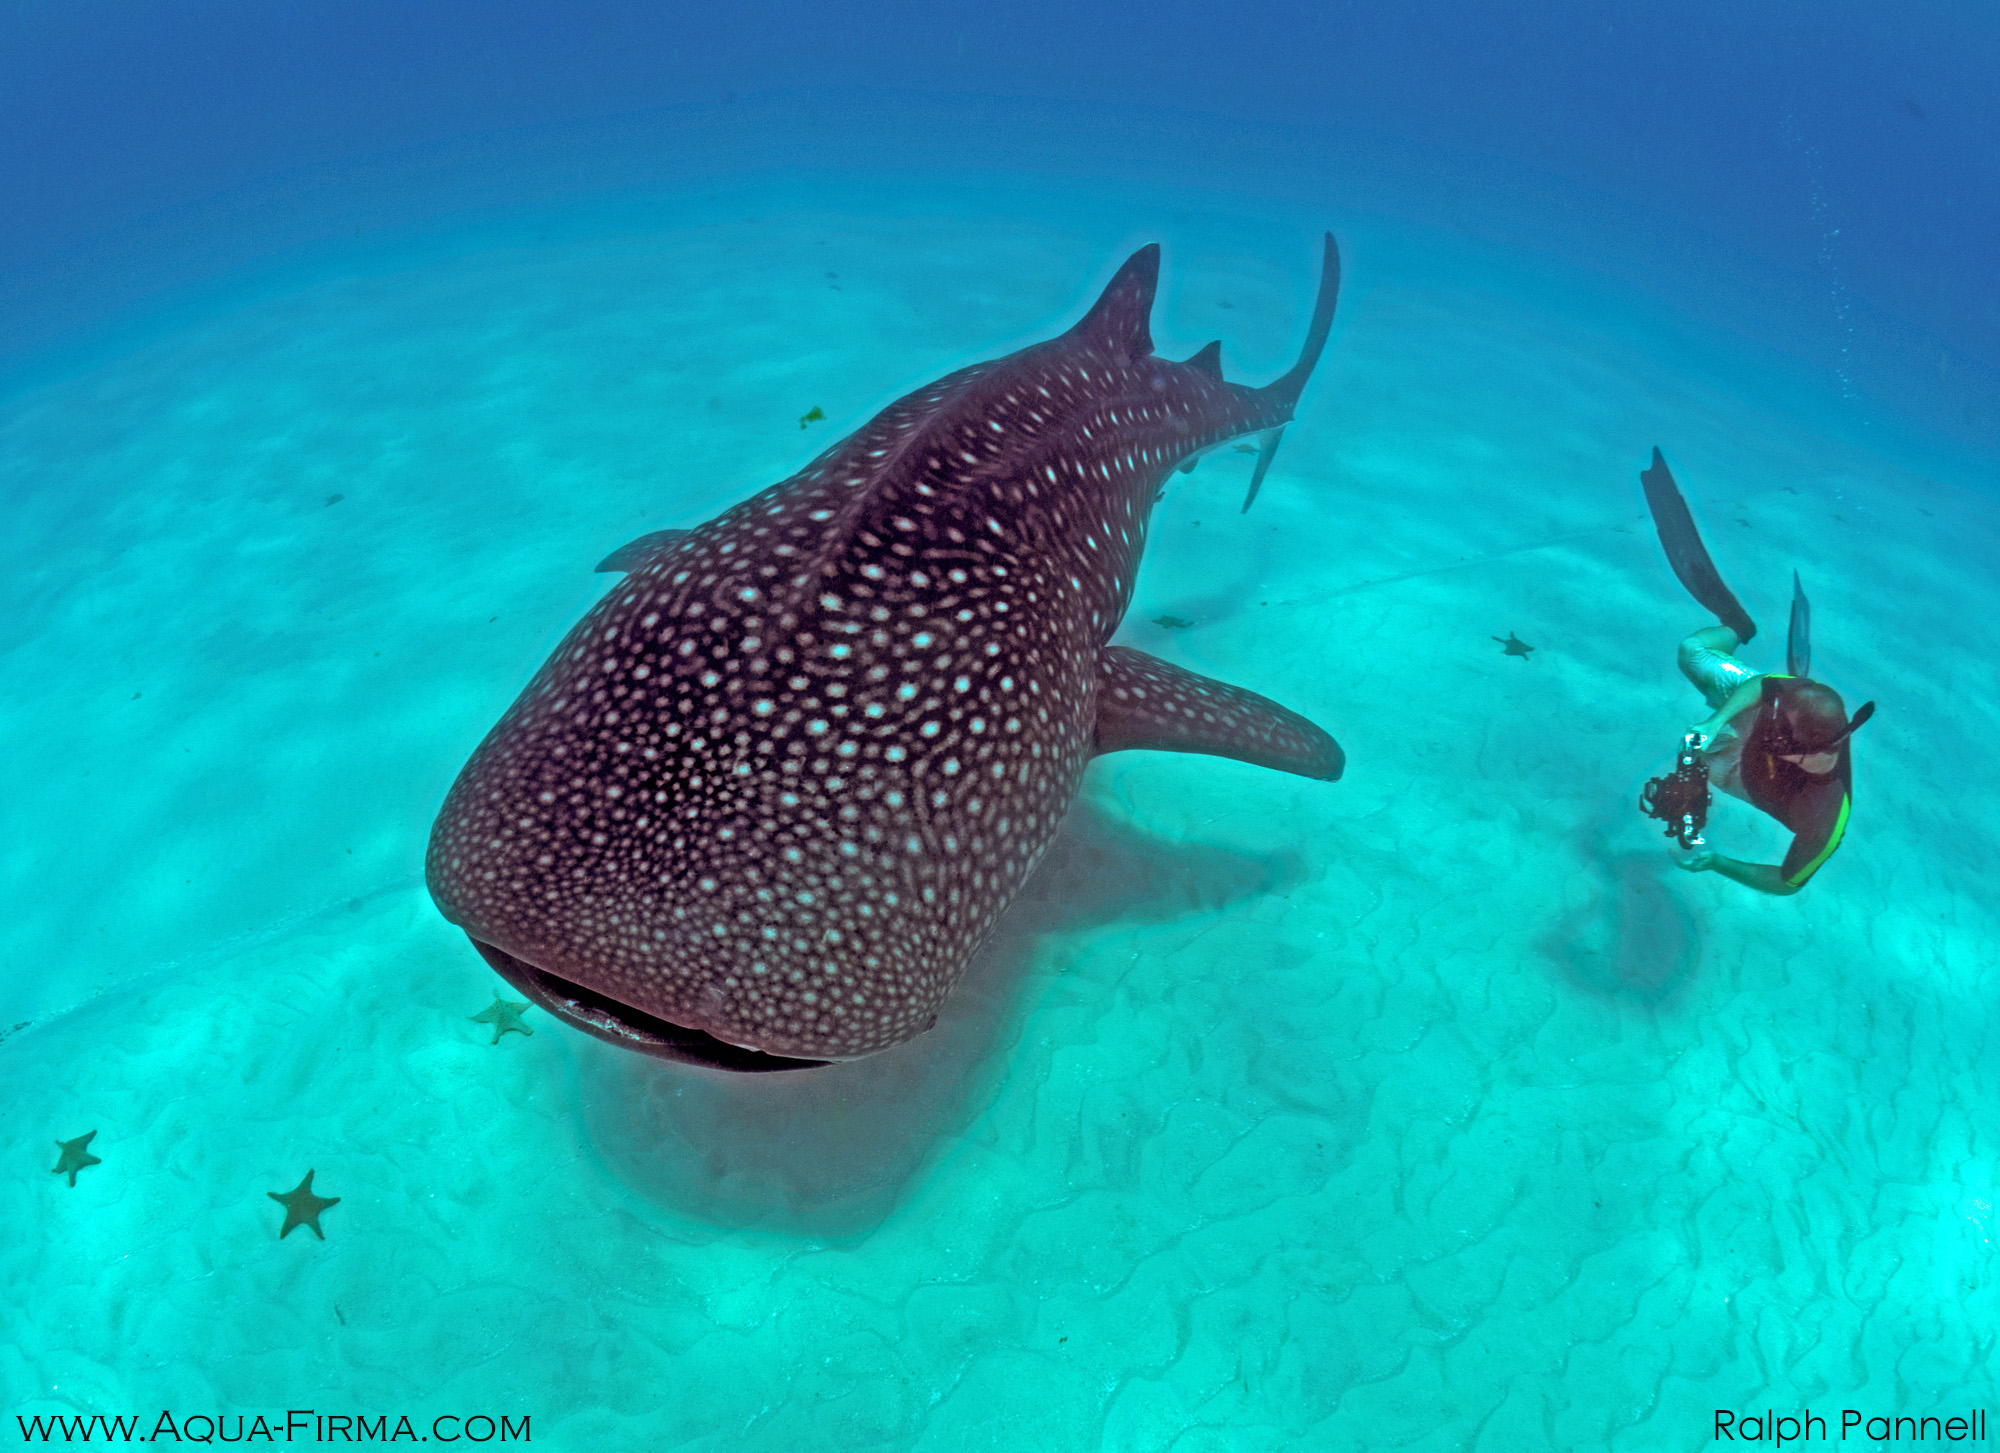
(1432, 1109)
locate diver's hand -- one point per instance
(1699, 860)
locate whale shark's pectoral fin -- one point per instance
(1145, 704)
(1267, 450)
(633, 554)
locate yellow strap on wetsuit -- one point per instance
(1832, 842)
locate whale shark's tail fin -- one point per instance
(1267, 450)
(1686, 553)
(1283, 392)
(1291, 384)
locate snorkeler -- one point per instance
(1776, 739)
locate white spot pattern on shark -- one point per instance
(769, 796)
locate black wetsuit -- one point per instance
(1813, 806)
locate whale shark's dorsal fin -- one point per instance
(1209, 360)
(1119, 320)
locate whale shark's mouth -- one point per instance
(630, 1028)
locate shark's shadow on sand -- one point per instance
(1632, 940)
(829, 1153)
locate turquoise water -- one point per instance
(1431, 1109)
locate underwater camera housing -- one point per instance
(1680, 799)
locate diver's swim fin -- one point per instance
(1798, 644)
(1687, 554)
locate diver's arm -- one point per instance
(1744, 698)
(1764, 877)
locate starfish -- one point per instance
(76, 1155)
(1514, 646)
(302, 1207)
(503, 1015)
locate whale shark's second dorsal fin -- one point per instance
(1209, 360)
(1119, 321)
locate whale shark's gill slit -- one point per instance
(630, 1028)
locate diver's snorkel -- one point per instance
(1787, 741)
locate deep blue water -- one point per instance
(1847, 146)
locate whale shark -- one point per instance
(771, 793)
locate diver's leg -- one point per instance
(1706, 659)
